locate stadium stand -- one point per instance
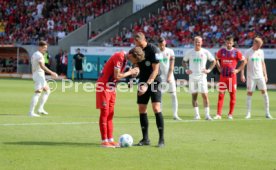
(180, 20)
(24, 22)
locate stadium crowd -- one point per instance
(28, 21)
(180, 20)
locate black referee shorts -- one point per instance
(78, 67)
(152, 93)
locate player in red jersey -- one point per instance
(228, 59)
(105, 90)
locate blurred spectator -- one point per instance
(47, 59)
(64, 63)
(27, 22)
(180, 20)
(58, 62)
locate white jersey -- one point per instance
(254, 64)
(197, 62)
(167, 54)
(36, 58)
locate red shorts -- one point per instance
(105, 98)
(229, 83)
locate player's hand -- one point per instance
(169, 79)
(54, 75)
(206, 71)
(266, 79)
(235, 71)
(243, 79)
(188, 72)
(134, 72)
(142, 89)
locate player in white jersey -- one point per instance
(38, 70)
(167, 76)
(256, 75)
(197, 72)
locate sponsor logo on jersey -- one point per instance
(197, 60)
(255, 59)
(163, 60)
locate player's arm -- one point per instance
(242, 71)
(264, 71)
(119, 75)
(171, 68)
(211, 67)
(185, 64)
(43, 67)
(155, 70)
(241, 67)
(218, 64)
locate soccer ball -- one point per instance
(126, 140)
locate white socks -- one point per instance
(44, 99)
(34, 102)
(207, 111)
(266, 103)
(196, 111)
(248, 104)
(174, 104)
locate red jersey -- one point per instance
(116, 61)
(228, 61)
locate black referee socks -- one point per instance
(144, 125)
(160, 124)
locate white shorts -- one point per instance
(168, 87)
(198, 85)
(40, 81)
(252, 83)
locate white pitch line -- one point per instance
(166, 121)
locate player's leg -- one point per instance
(78, 74)
(46, 93)
(206, 106)
(142, 102)
(39, 83)
(262, 86)
(195, 105)
(159, 122)
(172, 92)
(34, 102)
(232, 88)
(156, 107)
(193, 89)
(81, 74)
(232, 104)
(248, 104)
(251, 85)
(110, 120)
(204, 93)
(102, 103)
(222, 86)
(144, 123)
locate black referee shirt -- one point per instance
(152, 54)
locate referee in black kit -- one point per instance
(149, 80)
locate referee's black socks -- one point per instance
(144, 125)
(160, 124)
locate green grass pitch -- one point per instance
(68, 138)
